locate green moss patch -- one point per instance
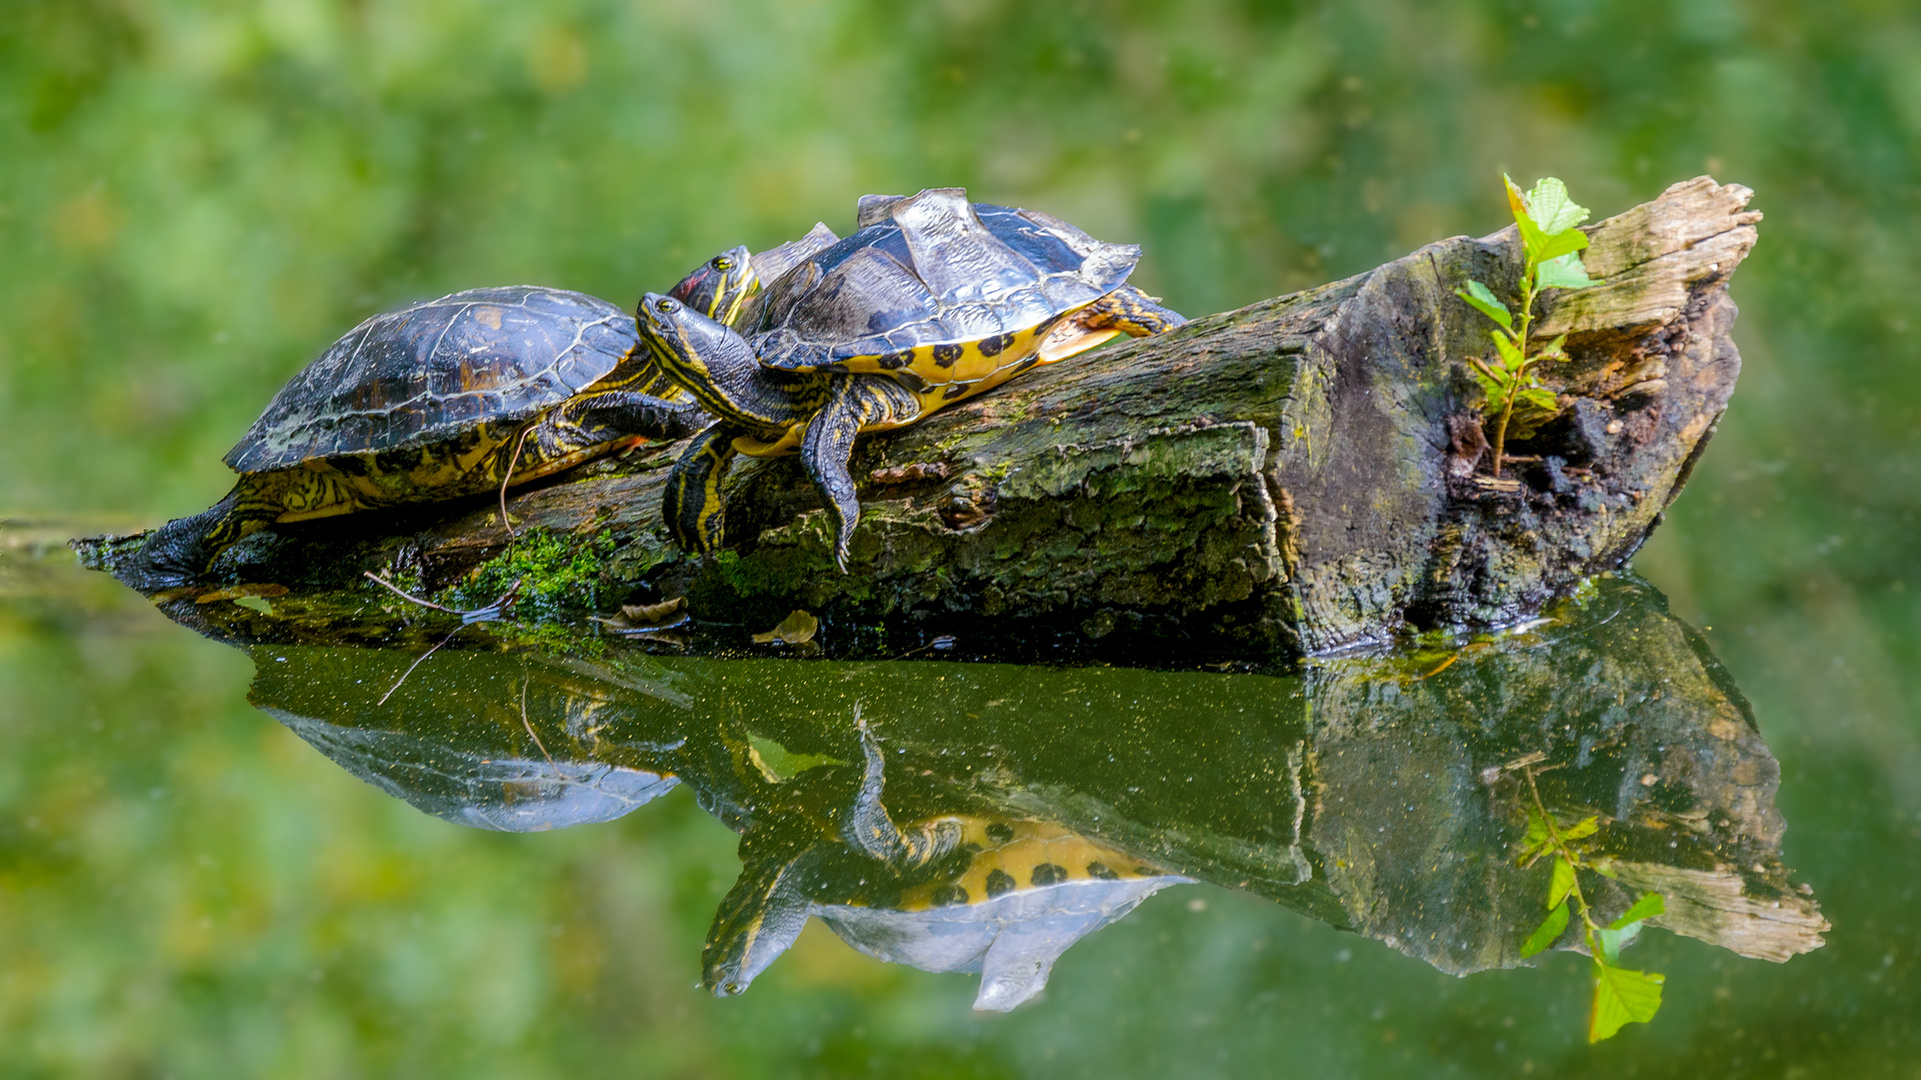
(561, 575)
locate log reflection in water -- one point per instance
(985, 817)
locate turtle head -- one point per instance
(721, 285)
(713, 363)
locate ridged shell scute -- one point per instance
(931, 269)
(425, 372)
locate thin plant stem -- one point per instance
(423, 659)
(1520, 338)
(505, 521)
(396, 590)
(1564, 850)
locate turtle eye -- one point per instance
(723, 264)
(667, 305)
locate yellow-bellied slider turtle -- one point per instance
(822, 825)
(436, 400)
(933, 300)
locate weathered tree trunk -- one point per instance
(1297, 475)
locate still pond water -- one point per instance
(290, 838)
(214, 859)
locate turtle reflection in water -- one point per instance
(994, 896)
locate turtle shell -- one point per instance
(934, 291)
(430, 371)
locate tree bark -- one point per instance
(1303, 474)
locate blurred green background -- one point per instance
(195, 198)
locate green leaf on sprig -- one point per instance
(1561, 883)
(1532, 238)
(1613, 941)
(1560, 246)
(1511, 358)
(1547, 933)
(1647, 907)
(1537, 839)
(1486, 302)
(1564, 272)
(1539, 398)
(1582, 829)
(1548, 204)
(1622, 997)
(1491, 387)
(1553, 350)
(1516, 200)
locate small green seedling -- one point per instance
(1620, 996)
(1549, 222)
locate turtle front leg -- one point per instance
(758, 919)
(692, 504)
(827, 448)
(591, 424)
(1130, 311)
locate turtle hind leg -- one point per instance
(179, 552)
(590, 426)
(692, 505)
(1130, 311)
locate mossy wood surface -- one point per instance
(1302, 474)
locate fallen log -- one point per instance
(1303, 474)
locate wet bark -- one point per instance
(1301, 474)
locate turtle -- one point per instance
(1012, 899)
(454, 397)
(971, 891)
(932, 300)
(439, 399)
